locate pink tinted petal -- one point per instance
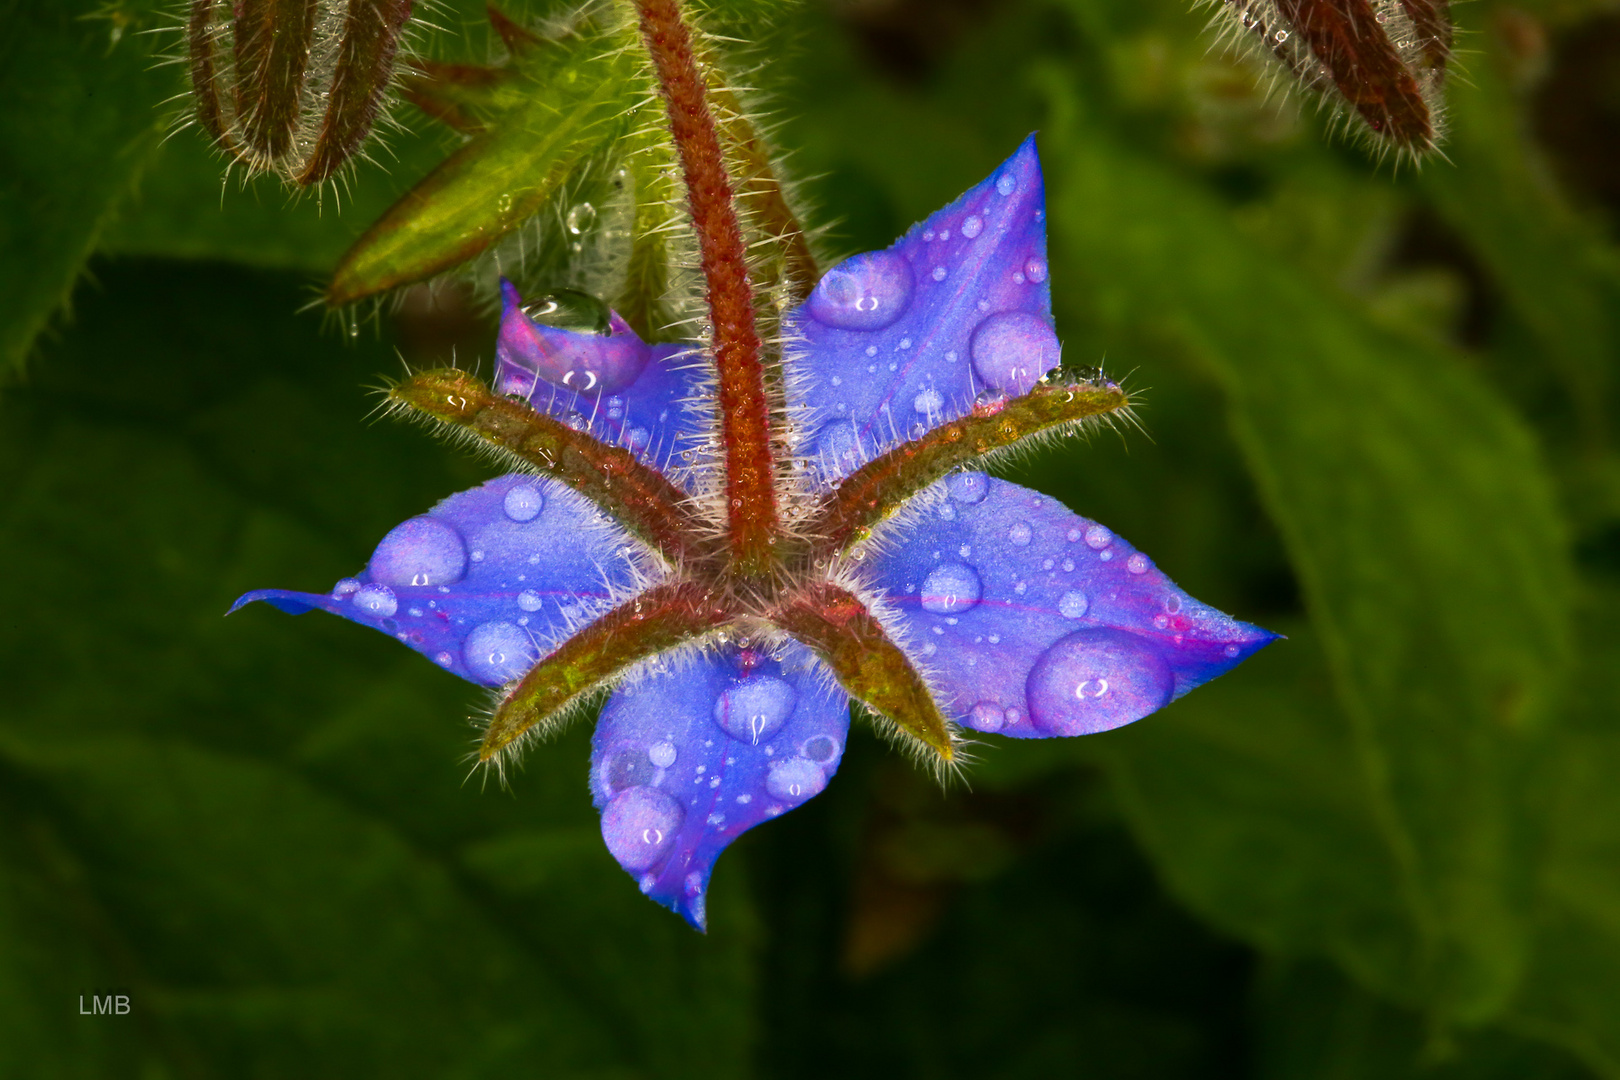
(624, 391)
(688, 758)
(893, 343)
(484, 582)
(1035, 621)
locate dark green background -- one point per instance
(1378, 405)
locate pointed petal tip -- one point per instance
(511, 299)
(279, 599)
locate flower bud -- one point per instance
(1382, 61)
(292, 86)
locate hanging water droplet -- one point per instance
(639, 826)
(755, 708)
(951, 588)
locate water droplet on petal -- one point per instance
(866, 292)
(986, 716)
(1035, 268)
(837, 448)
(662, 754)
(626, 767)
(637, 438)
(529, 600)
(756, 708)
(1099, 537)
(950, 588)
(523, 502)
(1073, 604)
(421, 551)
(498, 652)
(1138, 563)
(939, 273)
(1232, 650)
(972, 227)
(795, 779)
(345, 589)
(378, 601)
(1005, 184)
(820, 749)
(968, 487)
(1020, 533)
(639, 826)
(1095, 680)
(1011, 350)
(928, 402)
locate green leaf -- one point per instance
(1420, 524)
(79, 123)
(258, 827)
(559, 111)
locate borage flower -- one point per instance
(735, 546)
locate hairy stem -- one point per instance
(878, 488)
(744, 406)
(661, 618)
(639, 497)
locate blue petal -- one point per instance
(688, 758)
(1034, 621)
(893, 343)
(624, 391)
(486, 581)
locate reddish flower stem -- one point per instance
(745, 415)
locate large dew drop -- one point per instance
(1096, 680)
(1012, 350)
(419, 552)
(639, 826)
(756, 708)
(498, 652)
(795, 779)
(867, 292)
(951, 588)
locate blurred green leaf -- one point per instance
(1382, 463)
(256, 828)
(78, 125)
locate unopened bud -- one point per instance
(1383, 61)
(292, 86)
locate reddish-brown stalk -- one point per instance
(745, 415)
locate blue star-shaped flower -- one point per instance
(1009, 614)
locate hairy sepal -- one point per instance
(640, 498)
(662, 618)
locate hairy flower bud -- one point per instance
(1382, 61)
(292, 86)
